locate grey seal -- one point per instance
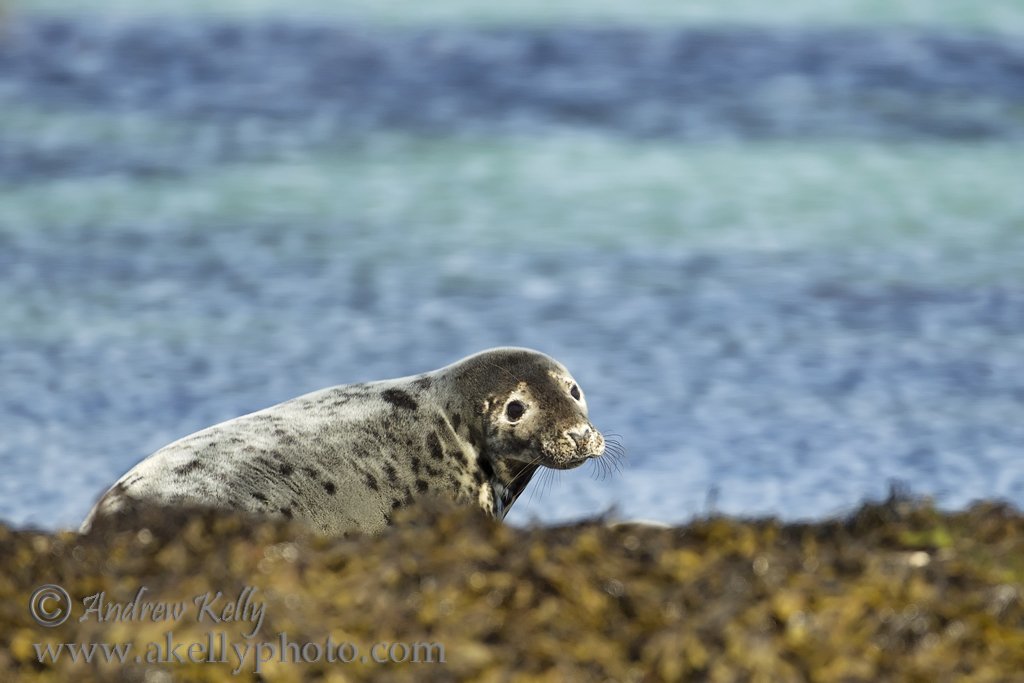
(343, 459)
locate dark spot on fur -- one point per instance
(408, 497)
(415, 465)
(235, 439)
(371, 481)
(434, 444)
(310, 472)
(279, 432)
(433, 471)
(487, 468)
(287, 512)
(259, 496)
(387, 518)
(421, 485)
(395, 504)
(456, 421)
(399, 399)
(391, 472)
(287, 469)
(276, 455)
(187, 468)
(423, 383)
(330, 487)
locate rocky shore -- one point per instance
(898, 590)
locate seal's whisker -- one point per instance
(602, 470)
(533, 489)
(615, 463)
(514, 487)
(526, 472)
(613, 454)
(613, 440)
(541, 489)
(529, 469)
(614, 447)
(614, 460)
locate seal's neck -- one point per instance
(508, 481)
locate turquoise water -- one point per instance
(1005, 15)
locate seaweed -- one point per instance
(897, 590)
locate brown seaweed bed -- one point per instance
(898, 590)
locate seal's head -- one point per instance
(532, 409)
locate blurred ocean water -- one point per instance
(1004, 15)
(784, 262)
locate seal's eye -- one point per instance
(514, 410)
(575, 392)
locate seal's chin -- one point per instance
(569, 463)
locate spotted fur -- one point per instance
(344, 458)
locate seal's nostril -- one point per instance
(580, 436)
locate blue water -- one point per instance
(796, 381)
(788, 384)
